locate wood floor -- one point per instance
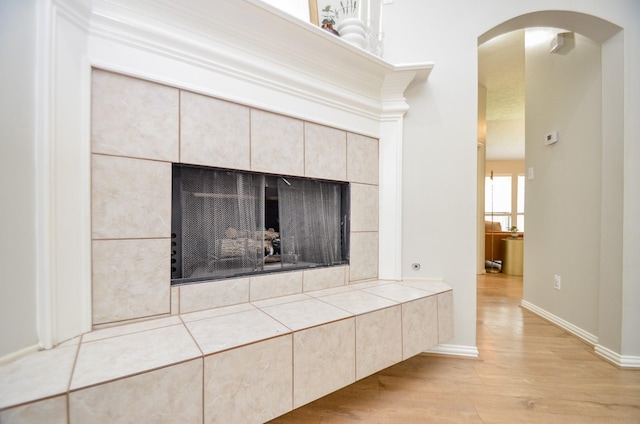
(529, 371)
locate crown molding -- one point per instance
(252, 40)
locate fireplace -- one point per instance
(287, 162)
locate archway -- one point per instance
(592, 317)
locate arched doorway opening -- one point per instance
(574, 184)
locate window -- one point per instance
(232, 223)
(504, 200)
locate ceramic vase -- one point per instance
(353, 31)
(329, 28)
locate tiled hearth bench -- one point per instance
(246, 363)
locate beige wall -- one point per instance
(619, 288)
(505, 139)
(17, 177)
(441, 130)
(504, 167)
(564, 94)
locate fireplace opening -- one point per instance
(228, 223)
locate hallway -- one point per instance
(529, 371)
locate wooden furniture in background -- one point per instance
(512, 255)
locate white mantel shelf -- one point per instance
(253, 40)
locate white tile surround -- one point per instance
(132, 152)
(249, 362)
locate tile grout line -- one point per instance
(73, 370)
(202, 356)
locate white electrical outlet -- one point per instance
(551, 138)
(557, 282)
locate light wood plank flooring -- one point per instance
(529, 371)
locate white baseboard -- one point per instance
(576, 331)
(622, 361)
(18, 354)
(455, 350)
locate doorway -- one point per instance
(501, 135)
(572, 141)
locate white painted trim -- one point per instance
(44, 74)
(258, 57)
(565, 325)
(85, 259)
(7, 359)
(455, 350)
(57, 317)
(390, 198)
(622, 361)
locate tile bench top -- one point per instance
(117, 352)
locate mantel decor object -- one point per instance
(353, 31)
(328, 20)
(350, 26)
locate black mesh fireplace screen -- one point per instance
(232, 223)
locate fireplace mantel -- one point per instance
(241, 51)
(259, 43)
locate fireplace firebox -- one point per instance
(229, 223)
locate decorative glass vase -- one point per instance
(353, 31)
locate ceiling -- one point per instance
(501, 71)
